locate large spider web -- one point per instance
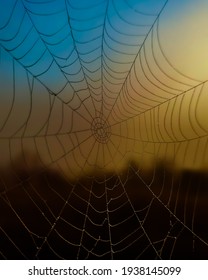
(103, 136)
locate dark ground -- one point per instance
(165, 217)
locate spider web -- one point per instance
(103, 138)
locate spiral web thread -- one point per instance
(91, 94)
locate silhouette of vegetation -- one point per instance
(44, 215)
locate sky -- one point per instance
(96, 84)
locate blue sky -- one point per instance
(65, 63)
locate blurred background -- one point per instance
(103, 129)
